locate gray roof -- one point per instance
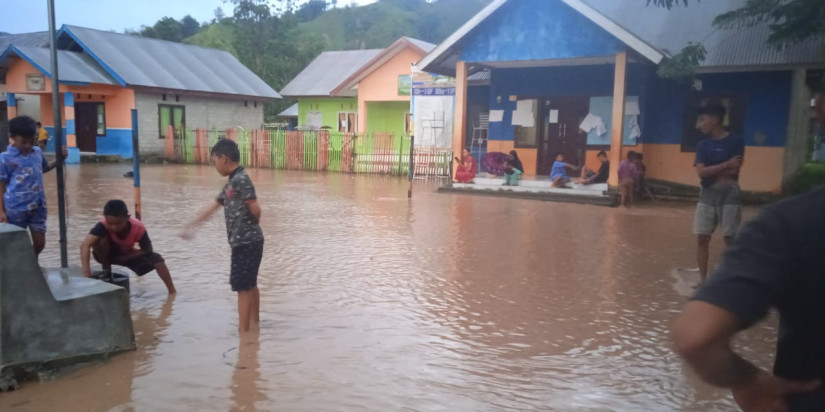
(73, 67)
(327, 72)
(421, 44)
(671, 30)
(147, 62)
(291, 111)
(38, 39)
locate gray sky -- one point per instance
(22, 16)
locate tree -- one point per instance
(168, 28)
(311, 10)
(189, 26)
(790, 21)
(219, 15)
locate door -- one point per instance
(85, 120)
(559, 131)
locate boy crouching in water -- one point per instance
(112, 241)
(243, 215)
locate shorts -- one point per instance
(141, 265)
(719, 206)
(34, 220)
(246, 260)
(563, 177)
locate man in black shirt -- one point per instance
(591, 177)
(777, 261)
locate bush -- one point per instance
(812, 175)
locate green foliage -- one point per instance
(811, 176)
(790, 21)
(189, 26)
(311, 10)
(215, 36)
(682, 65)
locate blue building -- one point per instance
(580, 76)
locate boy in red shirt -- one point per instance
(112, 241)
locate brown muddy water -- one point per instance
(371, 302)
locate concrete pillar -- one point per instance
(796, 142)
(11, 103)
(460, 120)
(71, 136)
(617, 123)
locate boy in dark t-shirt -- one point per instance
(718, 160)
(591, 177)
(776, 262)
(242, 214)
(112, 242)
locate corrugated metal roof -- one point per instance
(291, 111)
(671, 30)
(37, 39)
(480, 76)
(147, 62)
(74, 67)
(327, 72)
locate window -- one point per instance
(347, 122)
(734, 121)
(101, 119)
(170, 115)
(408, 123)
(524, 122)
(314, 120)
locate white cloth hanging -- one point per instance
(590, 122)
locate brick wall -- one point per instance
(200, 112)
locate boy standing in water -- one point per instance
(23, 201)
(242, 214)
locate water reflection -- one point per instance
(371, 301)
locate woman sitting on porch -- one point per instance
(466, 171)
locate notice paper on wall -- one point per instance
(524, 106)
(496, 115)
(553, 116)
(524, 119)
(631, 108)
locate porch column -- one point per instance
(69, 132)
(460, 111)
(11, 101)
(617, 123)
(11, 108)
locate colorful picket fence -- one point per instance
(376, 153)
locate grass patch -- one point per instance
(811, 176)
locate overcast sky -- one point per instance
(23, 16)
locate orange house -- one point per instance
(104, 76)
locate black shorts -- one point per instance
(141, 265)
(246, 260)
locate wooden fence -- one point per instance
(376, 153)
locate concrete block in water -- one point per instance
(58, 316)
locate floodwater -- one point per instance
(371, 302)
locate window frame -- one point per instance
(352, 122)
(100, 105)
(172, 107)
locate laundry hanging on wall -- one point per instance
(590, 122)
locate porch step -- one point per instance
(542, 183)
(538, 189)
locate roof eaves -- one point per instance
(373, 64)
(640, 46)
(12, 49)
(66, 30)
(459, 34)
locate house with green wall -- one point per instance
(318, 106)
(358, 91)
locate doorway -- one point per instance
(86, 125)
(559, 131)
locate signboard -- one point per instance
(404, 84)
(35, 83)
